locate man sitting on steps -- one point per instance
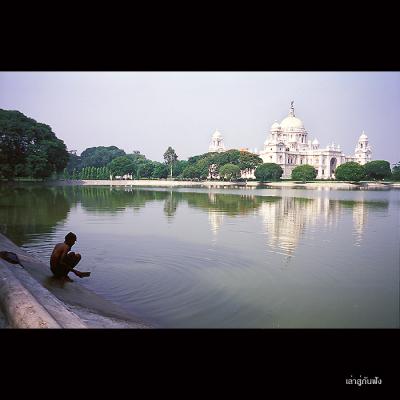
(63, 261)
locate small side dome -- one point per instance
(363, 136)
(315, 141)
(275, 126)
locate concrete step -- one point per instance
(21, 309)
(58, 310)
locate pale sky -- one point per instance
(149, 111)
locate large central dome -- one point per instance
(292, 122)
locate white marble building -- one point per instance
(288, 145)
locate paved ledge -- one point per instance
(32, 298)
(21, 309)
(222, 184)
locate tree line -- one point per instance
(105, 162)
(31, 149)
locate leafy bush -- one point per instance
(378, 169)
(396, 172)
(350, 171)
(304, 173)
(268, 172)
(229, 172)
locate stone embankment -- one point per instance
(221, 184)
(31, 298)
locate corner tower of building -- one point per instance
(217, 142)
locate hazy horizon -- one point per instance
(149, 111)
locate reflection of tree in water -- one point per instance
(106, 199)
(109, 199)
(229, 204)
(171, 204)
(28, 210)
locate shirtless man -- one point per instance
(63, 261)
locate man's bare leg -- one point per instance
(76, 258)
(80, 273)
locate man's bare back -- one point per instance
(63, 261)
(58, 251)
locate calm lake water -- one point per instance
(224, 258)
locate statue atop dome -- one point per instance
(291, 113)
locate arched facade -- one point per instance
(289, 146)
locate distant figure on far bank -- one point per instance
(63, 261)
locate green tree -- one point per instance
(350, 171)
(66, 174)
(202, 169)
(74, 174)
(29, 148)
(378, 169)
(396, 172)
(194, 159)
(245, 160)
(160, 171)
(145, 169)
(268, 172)
(74, 161)
(304, 173)
(170, 158)
(226, 157)
(189, 172)
(122, 165)
(36, 165)
(229, 172)
(107, 173)
(180, 165)
(100, 156)
(198, 170)
(249, 161)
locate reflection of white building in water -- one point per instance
(359, 220)
(289, 146)
(285, 220)
(215, 219)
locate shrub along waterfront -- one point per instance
(304, 173)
